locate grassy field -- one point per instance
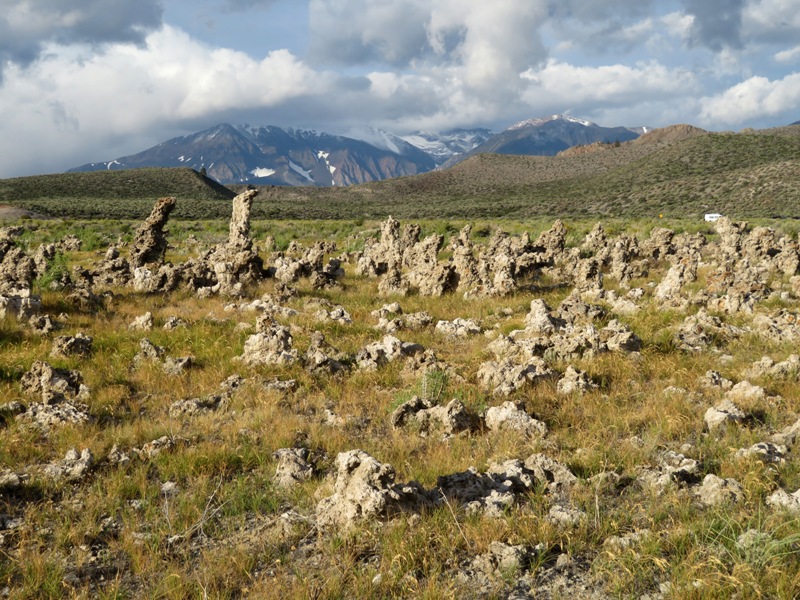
(222, 528)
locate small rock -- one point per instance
(293, 466)
(170, 489)
(724, 413)
(575, 382)
(509, 417)
(142, 323)
(716, 491)
(766, 452)
(782, 499)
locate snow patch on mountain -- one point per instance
(301, 171)
(262, 172)
(322, 155)
(539, 122)
(444, 145)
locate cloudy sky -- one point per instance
(91, 80)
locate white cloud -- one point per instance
(678, 24)
(500, 39)
(753, 99)
(771, 21)
(616, 85)
(74, 104)
(788, 57)
(362, 31)
(27, 25)
(91, 93)
(492, 42)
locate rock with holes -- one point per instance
(540, 318)
(618, 338)
(387, 350)
(766, 367)
(716, 491)
(321, 357)
(365, 489)
(73, 468)
(673, 469)
(508, 417)
(9, 480)
(42, 324)
(723, 414)
(142, 323)
(565, 515)
(150, 240)
(458, 328)
(148, 352)
(72, 345)
(336, 315)
(556, 476)
(788, 436)
(53, 385)
(746, 391)
(782, 499)
(490, 493)
(506, 375)
(46, 417)
(427, 417)
(575, 381)
(270, 345)
(767, 452)
(293, 466)
(713, 379)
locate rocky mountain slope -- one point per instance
(269, 155)
(547, 137)
(274, 156)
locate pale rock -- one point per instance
(508, 417)
(724, 413)
(716, 491)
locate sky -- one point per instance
(92, 80)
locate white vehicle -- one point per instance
(711, 217)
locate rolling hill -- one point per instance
(678, 171)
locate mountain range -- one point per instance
(270, 155)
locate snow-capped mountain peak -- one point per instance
(542, 121)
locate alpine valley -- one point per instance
(270, 155)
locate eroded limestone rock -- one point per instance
(150, 241)
(387, 350)
(270, 345)
(293, 466)
(366, 489)
(428, 417)
(72, 345)
(73, 468)
(508, 417)
(716, 491)
(575, 381)
(53, 385)
(723, 414)
(490, 493)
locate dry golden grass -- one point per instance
(227, 511)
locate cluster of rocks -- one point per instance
(17, 273)
(521, 357)
(365, 489)
(407, 264)
(225, 269)
(191, 407)
(742, 269)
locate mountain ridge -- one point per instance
(271, 155)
